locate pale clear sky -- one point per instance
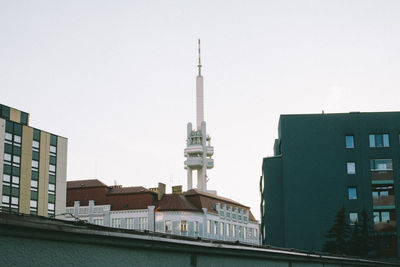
(118, 78)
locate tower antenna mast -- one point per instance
(199, 66)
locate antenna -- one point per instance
(199, 66)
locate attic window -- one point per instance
(82, 185)
(125, 206)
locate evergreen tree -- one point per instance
(355, 244)
(366, 243)
(338, 234)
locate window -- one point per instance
(52, 168)
(53, 149)
(15, 180)
(98, 221)
(167, 226)
(143, 223)
(353, 218)
(6, 178)
(6, 199)
(50, 207)
(352, 193)
(52, 187)
(379, 140)
(381, 165)
(35, 164)
(235, 231)
(183, 226)
(227, 229)
(222, 226)
(17, 139)
(351, 167)
(130, 223)
(116, 222)
(349, 141)
(35, 145)
(215, 228)
(14, 201)
(196, 227)
(8, 137)
(33, 204)
(34, 185)
(7, 157)
(381, 216)
(16, 159)
(209, 226)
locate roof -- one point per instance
(129, 190)
(207, 200)
(85, 184)
(171, 202)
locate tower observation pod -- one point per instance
(198, 149)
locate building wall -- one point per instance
(313, 178)
(61, 170)
(2, 136)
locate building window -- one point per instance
(379, 140)
(33, 205)
(183, 226)
(50, 207)
(381, 165)
(34, 185)
(7, 157)
(353, 218)
(215, 228)
(143, 223)
(116, 222)
(351, 167)
(53, 150)
(17, 139)
(234, 231)
(381, 216)
(196, 227)
(98, 221)
(222, 227)
(168, 227)
(35, 145)
(52, 168)
(227, 229)
(35, 164)
(349, 141)
(209, 226)
(352, 192)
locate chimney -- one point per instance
(177, 189)
(161, 190)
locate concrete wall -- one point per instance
(36, 241)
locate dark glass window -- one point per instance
(34, 195)
(16, 171)
(35, 155)
(18, 129)
(35, 175)
(36, 135)
(53, 140)
(352, 192)
(24, 118)
(5, 112)
(52, 160)
(349, 141)
(9, 127)
(379, 140)
(52, 179)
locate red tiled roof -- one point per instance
(177, 202)
(85, 183)
(194, 192)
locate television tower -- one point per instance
(198, 149)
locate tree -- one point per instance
(338, 234)
(366, 242)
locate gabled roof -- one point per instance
(176, 202)
(85, 184)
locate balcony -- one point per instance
(389, 226)
(381, 176)
(384, 201)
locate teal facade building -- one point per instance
(323, 162)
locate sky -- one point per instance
(117, 78)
